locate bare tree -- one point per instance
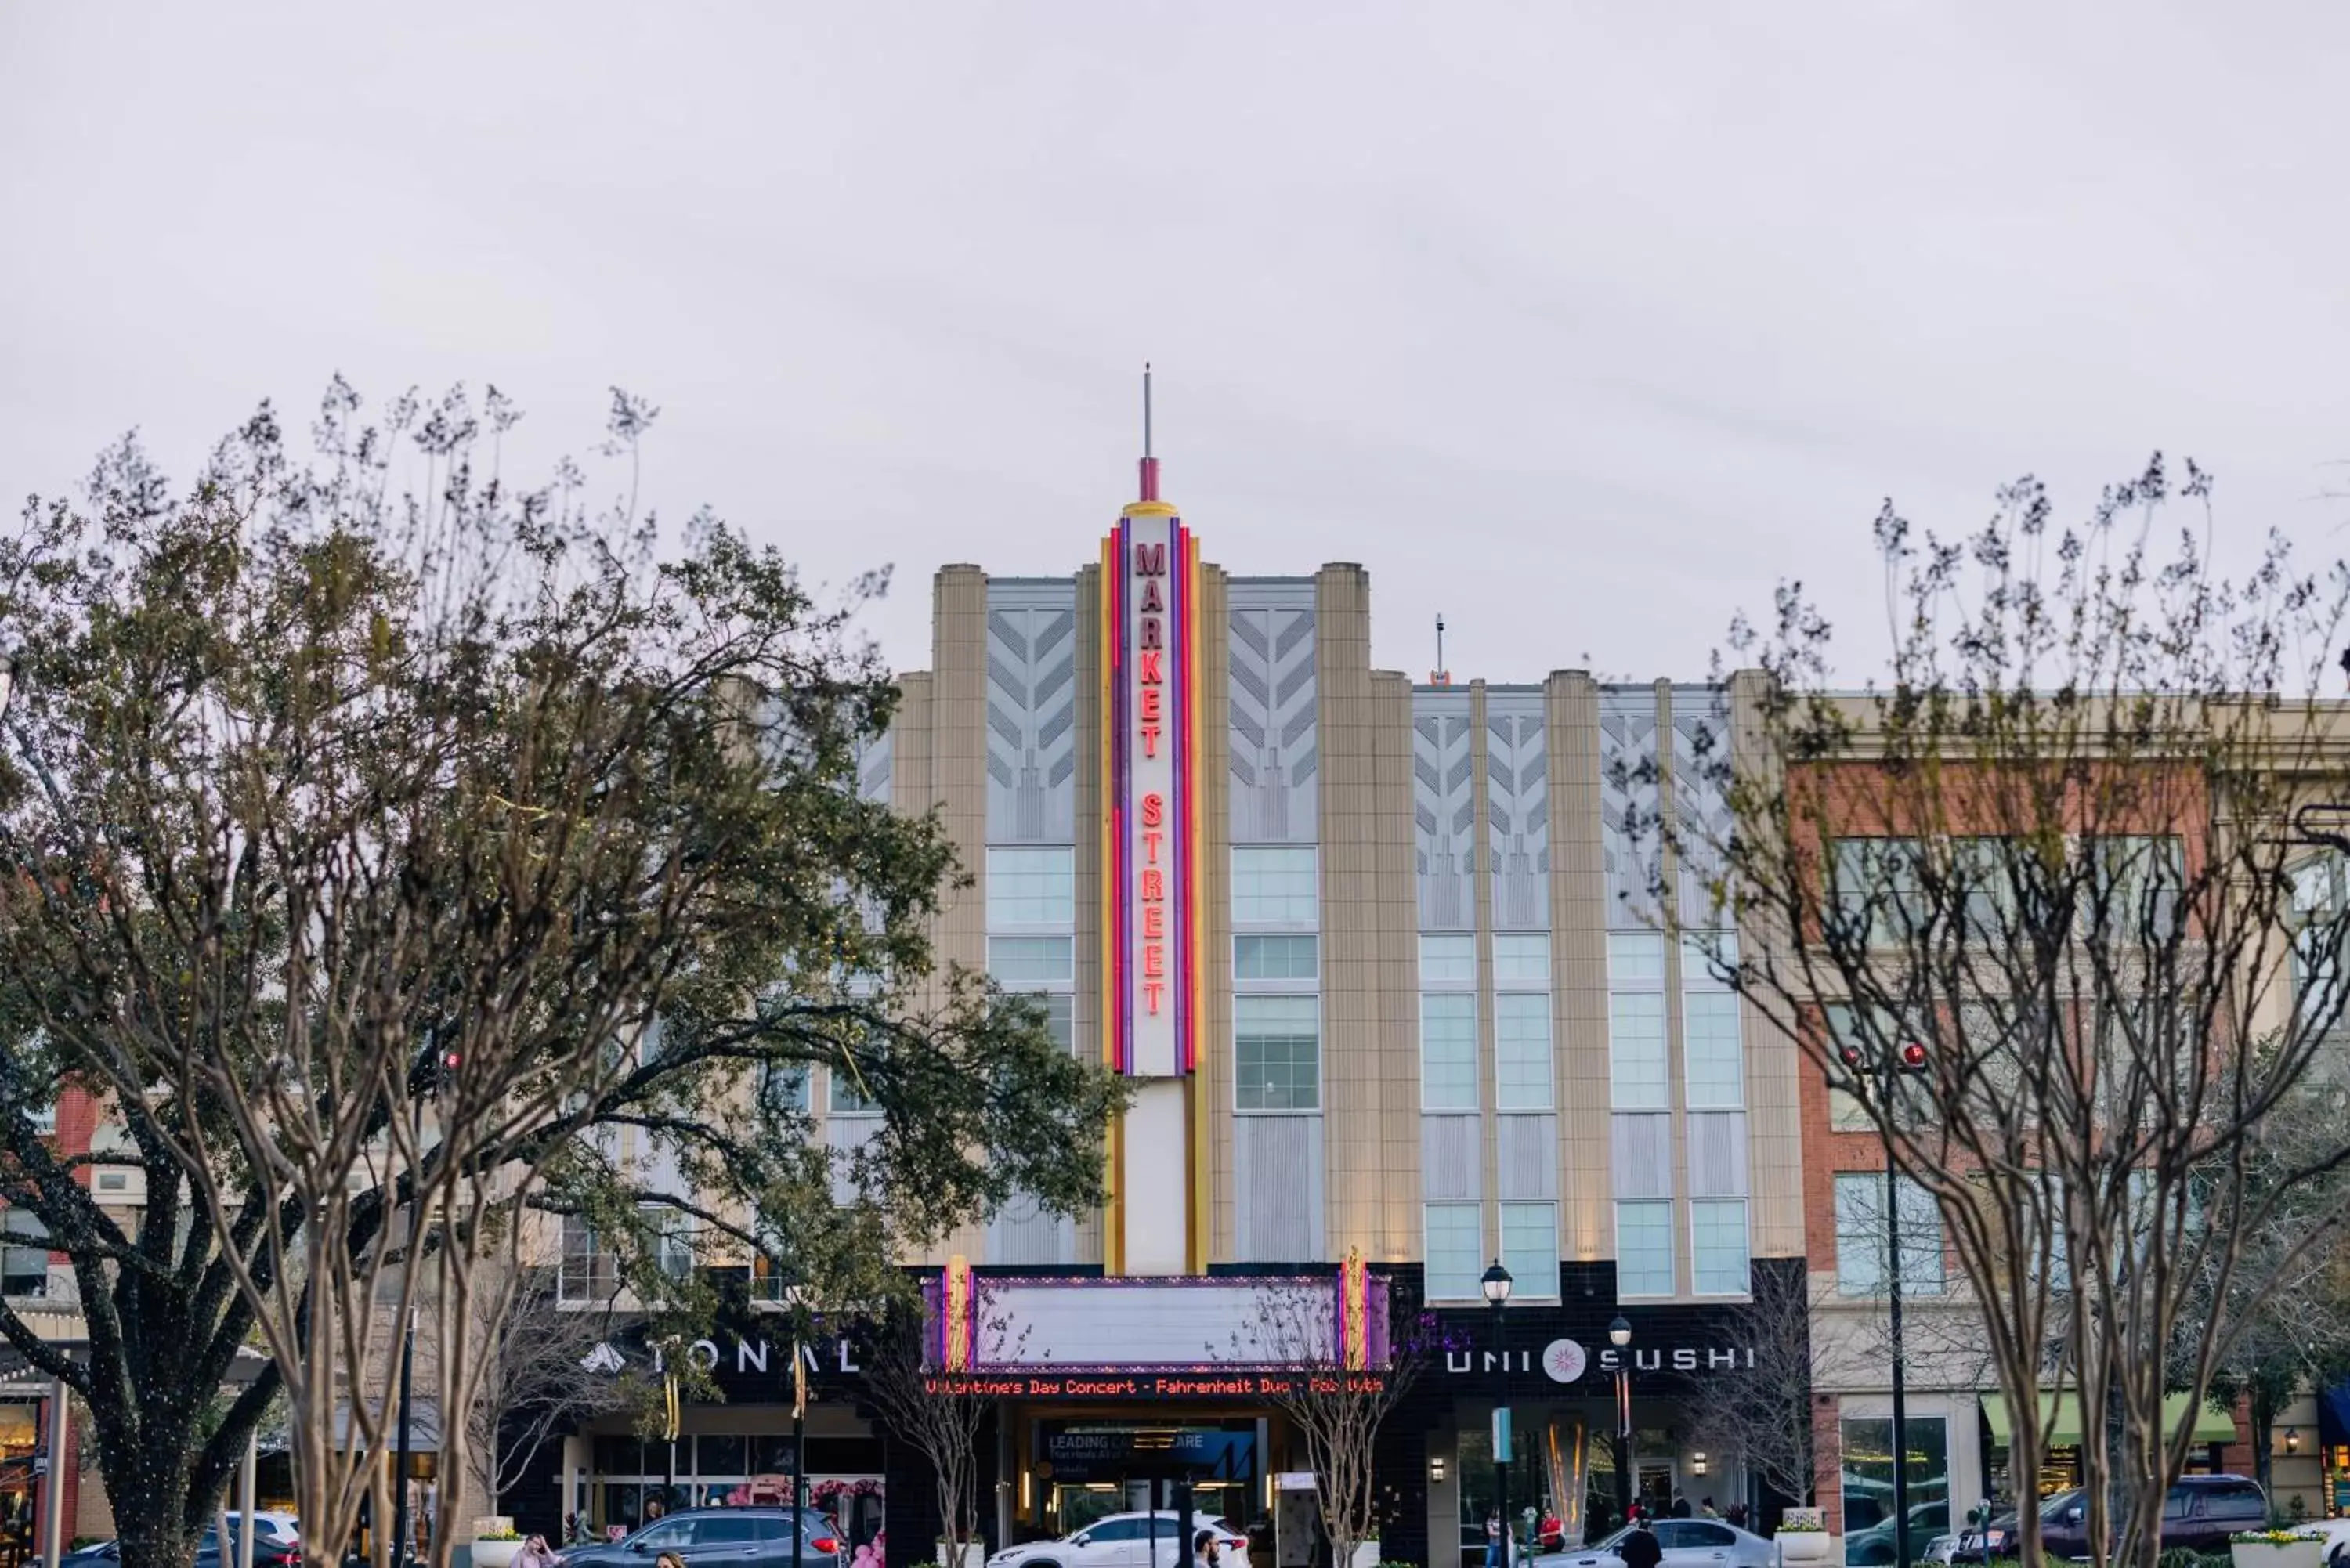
(537, 1380)
(1338, 1400)
(939, 1412)
(1760, 1415)
(2036, 904)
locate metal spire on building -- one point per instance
(1150, 462)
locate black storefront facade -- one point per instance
(1436, 1459)
(1066, 1444)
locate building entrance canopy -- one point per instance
(2060, 1418)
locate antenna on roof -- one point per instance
(1440, 676)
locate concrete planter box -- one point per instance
(494, 1554)
(1808, 1546)
(2260, 1554)
(974, 1555)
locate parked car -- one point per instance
(276, 1543)
(1123, 1541)
(97, 1554)
(1687, 1543)
(1875, 1546)
(2199, 1514)
(750, 1537)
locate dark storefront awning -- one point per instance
(2334, 1415)
(2065, 1413)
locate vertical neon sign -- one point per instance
(1149, 600)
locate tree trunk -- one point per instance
(2263, 1423)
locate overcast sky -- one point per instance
(1583, 324)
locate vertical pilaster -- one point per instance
(1579, 960)
(1350, 946)
(959, 785)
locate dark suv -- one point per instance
(721, 1538)
(2200, 1513)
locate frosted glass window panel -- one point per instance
(1031, 887)
(1522, 1055)
(1276, 886)
(1644, 1247)
(1448, 1052)
(1275, 958)
(1276, 1053)
(1712, 1059)
(1636, 959)
(1456, 1251)
(1699, 956)
(1060, 1018)
(1718, 1260)
(1447, 961)
(1530, 1248)
(1019, 962)
(1638, 1076)
(1522, 958)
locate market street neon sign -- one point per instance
(1150, 579)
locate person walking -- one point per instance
(1710, 1511)
(1204, 1550)
(1493, 1540)
(1641, 1548)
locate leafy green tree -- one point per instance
(415, 871)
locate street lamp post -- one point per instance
(1497, 1296)
(1619, 1334)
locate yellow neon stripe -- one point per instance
(1195, 771)
(1113, 1198)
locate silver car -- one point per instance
(1687, 1543)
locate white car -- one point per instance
(1686, 1542)
(1123, 1541)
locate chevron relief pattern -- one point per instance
(1275, 756)
(1628, 804)
(1700, 802)
(1444, 814)
(1032, 715)
(1517, 815)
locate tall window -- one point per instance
(1522, 1055)
(1530, 1246)
(1713, 1062)
(1016, 961)
(1521, 959)
(1275, 885)
(1640, 1075)
(1644, 1247)
(588, 1271)
(1717, 1261)
(1876, 889)
(1447, 1050)
(846, 1095)
(1455, 1251)
(1639, 1078)
(671, 1236)
(2320, 892)
(1275, 958)
(1029, 886)
(24, 1254)
(1276, 1053)
(1861, 1236)
(1447, 961)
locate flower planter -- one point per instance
(974, 1555)
(494, 1554)
(2303, 1553)
(1805, 1545)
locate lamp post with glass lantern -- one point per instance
(1619, 1334)
(1496, 1283)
